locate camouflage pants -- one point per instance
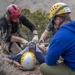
(14, 48)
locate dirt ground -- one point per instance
(8, 69)
(36, 71)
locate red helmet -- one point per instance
(14, 11)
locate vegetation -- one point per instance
(39, 18)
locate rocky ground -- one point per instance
(8, 69)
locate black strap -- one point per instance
(9, 47)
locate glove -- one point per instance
(35, 39)
(24, 42)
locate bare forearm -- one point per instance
(45, 34)
(11, 61)
(15, 39)
(7, 59)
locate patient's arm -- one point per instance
(13, 62)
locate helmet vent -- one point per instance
(14, 7)
(57, 5)
(9, 12)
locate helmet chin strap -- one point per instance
(57, 27)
